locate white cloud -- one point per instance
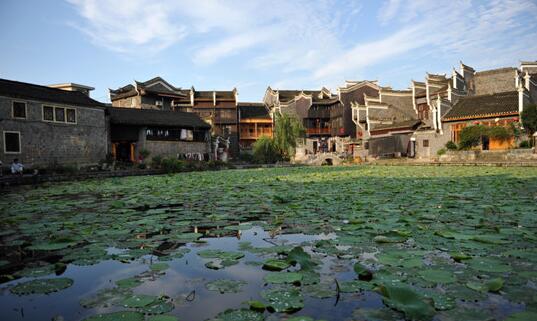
(316, 42)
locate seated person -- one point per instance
(16, 167)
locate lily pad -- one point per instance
(275, 265)
(406, 300)
(225, 286)
(239, 315)
(488, 265)
(283, 300)
(493, 285)
(138, 301)
(117, 316)
(128, 283)
(41, 286)
(157, 267)
(162, 318)
(437, 276)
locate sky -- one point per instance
(251, 44)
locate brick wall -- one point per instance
(47, 143)
(172, 149)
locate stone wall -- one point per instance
(436, 142)
(490, 156)
(494, 81)
(175, 148)
(44, 144)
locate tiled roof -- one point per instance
(484, 106)
(148, 117)
(22, 90)
(253, 110)
(398, 125)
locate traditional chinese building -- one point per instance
(218, 108)
(254, 122)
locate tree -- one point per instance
(287, 131)
(265, 151)
(529, 119)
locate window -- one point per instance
(59, 114)
(425, 143)
(19, 110)
(158, 103)
(48, 113)
(12, 142)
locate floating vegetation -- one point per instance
(442, 243)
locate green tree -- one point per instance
(529, 119)
(287, 131)
(265, 151)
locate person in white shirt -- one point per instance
(16, 167)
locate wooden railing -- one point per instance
(246, 134)
(318, 131)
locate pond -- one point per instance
(317, 243)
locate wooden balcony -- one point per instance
(318, 131)
(246, 134)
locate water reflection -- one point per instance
(184, 282)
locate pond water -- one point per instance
(339, 243)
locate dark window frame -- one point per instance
(25, 109)
(19, 144)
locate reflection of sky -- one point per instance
(184, 276)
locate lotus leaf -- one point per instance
(275, 265)
(225, 286)
(138, 301)
(128, 283)
(406, 300)
(41, 286)
(239, 315)
(283, 300)
(162, 318)
(117, 316)
(437, 276)
(157, 267)
(488, 265)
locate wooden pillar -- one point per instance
(255, 130)
(114, 150)
(132, 152)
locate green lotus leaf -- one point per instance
(488, 265)
(128, 283)
(117, 316)
(283, 300)
(523, 316)
(106, 297)
(406, 300)
(298, 255)
(159, 306)
(41, 286)
(157, 267)
(275, 265)
(437, 276)
(493, 285)
(320, 291)
(138, 301)
(225, 286)
(162, 318)
(239, 315)
(355, 286)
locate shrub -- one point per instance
(529, 118)
(525, 144)
(144, 153)
(265, 151)
(172, 165)
(246, 157)
(451, 145)
(471, 136)
(499, 132)
(156, 161)
(441, 152)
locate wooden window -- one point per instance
(59, 115)
(456, 132)
(71, 115)
(425, 143)
(19, 110)
(48, 113)
(12, 142)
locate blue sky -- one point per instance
(299, 44)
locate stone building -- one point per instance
(218, 108)
(386, 122)
(491, 97)
(319, 111)
(254, 122)
(162, 133)
(44, 126)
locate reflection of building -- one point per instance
(162, 133)
(218, 108)
(254, 122)
(43, 126)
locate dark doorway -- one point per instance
(124, 151)
(485, 142)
